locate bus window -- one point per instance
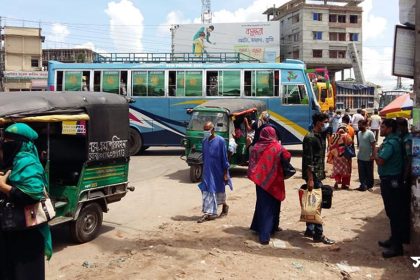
(73, 81)
(139, 83)
(212, 87)
(85, 80)
(264, 83)
(123, 83)
(97, 81)
(111, 81)
(276, 83)
(230, 83)
(156, 83)
(59, 81)
(172, 83)
(249, 83)
(295, 94)
(193, 83)
(180, 83)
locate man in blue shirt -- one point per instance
(389, 159)
(215, 174)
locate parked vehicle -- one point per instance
(227, 116)
(83, 146)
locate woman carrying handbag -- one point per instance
(22, 184)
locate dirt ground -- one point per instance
(180, 248)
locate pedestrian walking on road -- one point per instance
(355, 123)
(367, 144)
(313, 167)
(375, 123)
(22, 251)
(215, 174)
(341, 164)
(265, 170)
(389, 158)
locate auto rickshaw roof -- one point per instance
(233, 106)
(30, 104)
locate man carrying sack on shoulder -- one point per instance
(313, 168)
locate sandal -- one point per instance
(225, 210)
(345, 187)
(206, 217)
(336, 186)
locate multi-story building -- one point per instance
(20, 65)
(319, 34)
(325, 34)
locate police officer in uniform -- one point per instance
(389, 159)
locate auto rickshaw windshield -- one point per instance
(199, 119)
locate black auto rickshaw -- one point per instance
(82, 144)
(228, 116)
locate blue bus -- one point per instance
(164, 93)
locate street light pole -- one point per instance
(173, 29)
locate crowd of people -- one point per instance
(335, 138)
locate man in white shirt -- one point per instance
(375, 123)
(355, 123)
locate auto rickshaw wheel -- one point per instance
(87, 225)
(196, 171)
(135, 142)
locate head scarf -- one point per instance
(27, 171)
(265, 168)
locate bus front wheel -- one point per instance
(135, 142)
(196, 172)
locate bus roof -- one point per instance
(163, 66)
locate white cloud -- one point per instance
(377, 66)
(59, 32)
(173, 18)
(373, 26)
(126, 26)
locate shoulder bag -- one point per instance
(288, 169)
(13, 218)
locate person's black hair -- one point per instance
(211, 27)
(319, 117)
(363, 122)
(402, 123)
(390, 123)
(346, 119)
(375, 111)
(359, 111)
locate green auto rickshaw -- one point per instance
(231, 118)
(83, 146)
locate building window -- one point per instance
(296, 54)
(317, 16)
(337, 54)
(333, 18)
(317, 35)
(295, 18)
(317, 53)
(341, 18)
(354, 37)
(333, 36)
(353, 18)
(341, 36)
(296, 37)
(34, 61)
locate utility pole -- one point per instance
(206, 14)
(417, 56)
(173, 28)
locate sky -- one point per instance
(144, 26)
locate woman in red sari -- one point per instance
(265, 170)
(341, 165)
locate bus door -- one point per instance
(185, 91)
(150, 111)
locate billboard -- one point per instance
(404, 46)
(260, 40)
